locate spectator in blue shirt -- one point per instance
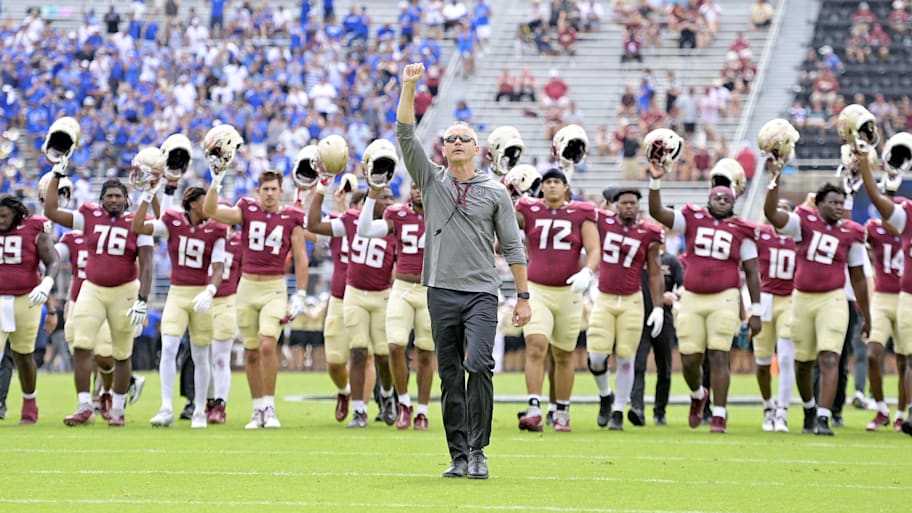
(463, 112)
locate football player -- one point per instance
(557, 231)
(24, 245)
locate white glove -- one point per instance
(656, 319)
(150, 193)
(137, 313)
(323, 184)
(580, 281)
(298, 303)
(39, 295)
(217, 176)
(203, 301)
(60, 168)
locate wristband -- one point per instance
(146, 197)
(142, 298)
(212, 289)
(301, 292)
(655, 184)
(756, 309)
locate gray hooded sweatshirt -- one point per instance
(462, 217)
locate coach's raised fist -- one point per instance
(412, 73)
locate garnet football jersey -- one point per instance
(823, 251)
(887, 255)
(409, 229)
(232, 273)
(19, 256)
(554, 238)
(77, 253)
(776, 261)
(191, 247)
(713, 250)
(266, 236)
(624, 253)
(370, 261)
(111, 244)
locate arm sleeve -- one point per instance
(857, 255)
(63, 250)
(144, 240)
(792, 228)
(167, 203)
(218, 251)
(748, 250)
(899, 217)
(507, 229)
(367, 225)
(679, 224)
(159, 229)
(78, 221)
(413, 155)
(338, 227)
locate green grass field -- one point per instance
(314, 464)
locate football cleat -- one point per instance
(380, 160)
(822, 426)
(718, 424)
(117, 419)
(906, 426)
(216, 414)
(810, 416)
(780, 425)
(421, 422)
(359, 420)
(333, 150)
(387, 411)
(256, 420)
(636, 417)
(616, 422)
(897, 425)
(530, 423)
(505, 147)
(105, 401)
(769, 420)
(695, 417)
(342, 401)
(29, 413)
(164, 418)
(187, 412)
(198, 421)
(604, 413)
(404, 419)
(562, 421)
(270, 420)
(84, 415)
(880, 420)
(61, 140)
(135, 390)
(219, 145)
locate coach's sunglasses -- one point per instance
(464, 138)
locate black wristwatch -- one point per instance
(523, 295)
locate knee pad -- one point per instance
(598, 363)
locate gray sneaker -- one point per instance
(388, 409)
(135, 390)
(359, 420)
(604, 413)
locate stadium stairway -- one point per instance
(596, 78)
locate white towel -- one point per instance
(766, 307)
(8, 314)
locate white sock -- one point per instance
(552, 407)
(346, 391)
(768, 404)
(785, 351)
(221, 368)
(697, 394)
(359, 406)
(534, 407)
(883, 408)
(119, 402)
(405, 400)
(422, 408)
(900, 415)
(810, 404)
(386, 393)
(84, 398)
(201, 371)
(719, 411)
(598, 366)
(269, 401)
(781, 413)
(824, 412)
(258, 403)
(167, 369)
(623, 383)
(28, 396)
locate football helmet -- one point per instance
(505, 147)
(348, 182)
(220, 144)
(897, 154)
(333, 151)
(523, 179)
(177, 151)
(569, 145)
(777, 140)
(729, 173)
(663, 147)
(380, 160)
(147, 168)
(64, 189)
(849, 171)
(61, 140)
(306, 170)
(857, 127)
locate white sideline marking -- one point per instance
(409, 475)
(321, 505)
(252, 452)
